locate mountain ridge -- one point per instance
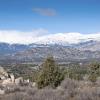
(35, 52)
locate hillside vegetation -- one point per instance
(56, 82)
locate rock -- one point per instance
(12, 78)
(3, 73)
(2, 77)
(34, 84)
(27, 81)
(19, 81)
(2, 92)
(9, 79)
(7, 82)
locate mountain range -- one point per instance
(62, 51)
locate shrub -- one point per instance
(69, 84)
(94, 71)
(50, 74)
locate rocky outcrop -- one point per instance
(6, 78)
(9, 79)
(2, 92)
(3, 73)
(7, 82)
(19, 81)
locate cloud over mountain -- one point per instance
(43, 36)
(13, 36)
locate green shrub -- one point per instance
(50, 74)
(94, 71)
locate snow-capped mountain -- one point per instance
(44, 37)
(62, 51)
(63, 46)
(89, 44)
(67, 38)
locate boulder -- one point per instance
(2, 77)
(19, 81)
(3, 73)
(34, 84)
(12, 78)
(2, 92)
(7, 82)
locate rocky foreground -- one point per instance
(8, 80)
(13, 88)
(68, 90)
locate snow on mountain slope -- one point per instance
(67, 38)
(44, 37)
(89, 45)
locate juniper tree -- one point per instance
(50, 74)
(94, 71)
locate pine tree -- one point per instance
(50, 74)
(94, 71)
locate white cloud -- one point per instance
(13, 36)
(43, 36)
(45, 11)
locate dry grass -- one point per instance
(68, 90)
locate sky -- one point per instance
(35, 18)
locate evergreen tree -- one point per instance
(50, 74)
(94, 71)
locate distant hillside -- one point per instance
(37, 52)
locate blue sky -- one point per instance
(53, 15)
